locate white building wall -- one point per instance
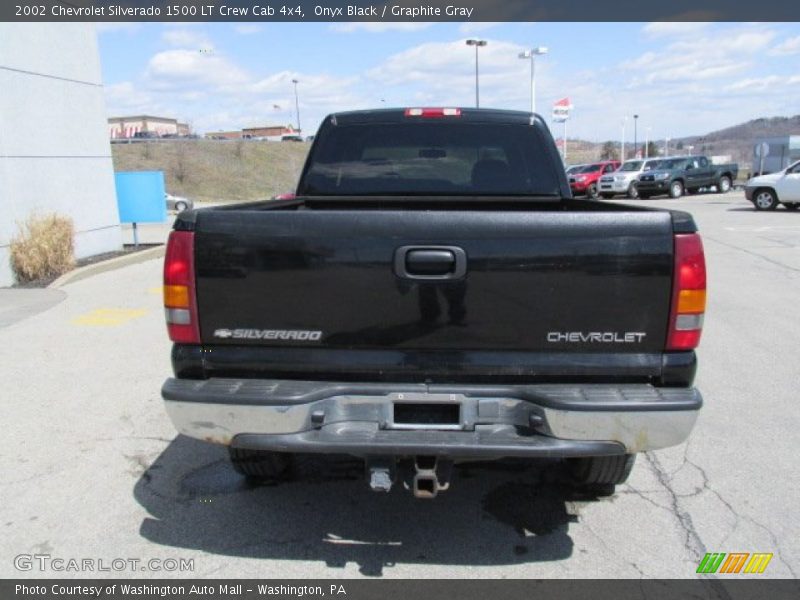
(54, 149)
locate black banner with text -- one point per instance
(398, 10)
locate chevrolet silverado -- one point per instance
(431, 294)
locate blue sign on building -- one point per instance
(140, 197)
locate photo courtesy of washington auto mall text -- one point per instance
(399, 299)
(177, 590)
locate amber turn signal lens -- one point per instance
(176, 296)
(691, 301)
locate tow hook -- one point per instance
(426, 476)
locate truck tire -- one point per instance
(591, 192)
(259, 464)
(180, 206)
(676, 189)
(599, 472)
(724, 185)
(765, 199)
(633, 191)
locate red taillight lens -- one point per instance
(180, 304)
(688, 293)
(433, 113)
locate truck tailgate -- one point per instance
(535, 282)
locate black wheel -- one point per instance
(259, 464)
(764, 199)
(633, 191)
(591, 191)
(180, 206)
(675, 189)
(601, 470)
(724, 185)
(791, 206)
(607, 196)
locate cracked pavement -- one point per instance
(94, 469)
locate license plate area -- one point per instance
(427, 411)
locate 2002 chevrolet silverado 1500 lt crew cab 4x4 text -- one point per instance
(433, 294)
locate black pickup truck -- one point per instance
(676, 175)
(434, 294)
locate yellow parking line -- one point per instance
(109, 317)
(156, 291)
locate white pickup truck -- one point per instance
(624, 179)
(783, 187)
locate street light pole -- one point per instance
(477, 44)
(635, 136)
(296, 104)
(622, 152)
(532, 54)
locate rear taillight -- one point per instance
(433, 113)
(180, 304)
(688, 293)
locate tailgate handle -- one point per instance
(430, 262)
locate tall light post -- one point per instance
(622, 149)
(635, 136)
(532, 54)
(296, 104)
(477, 44)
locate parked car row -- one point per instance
(644, 178)
(147, 136)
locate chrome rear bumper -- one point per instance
(488, 421)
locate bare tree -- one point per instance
(608, 152)
(238, 149)
(180, 169)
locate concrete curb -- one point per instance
(108, 265)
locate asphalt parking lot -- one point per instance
(93, 468)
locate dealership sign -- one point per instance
(561, 110)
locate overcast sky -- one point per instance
(681, 78)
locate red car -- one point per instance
(583, 182)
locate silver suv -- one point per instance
(624, 179)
